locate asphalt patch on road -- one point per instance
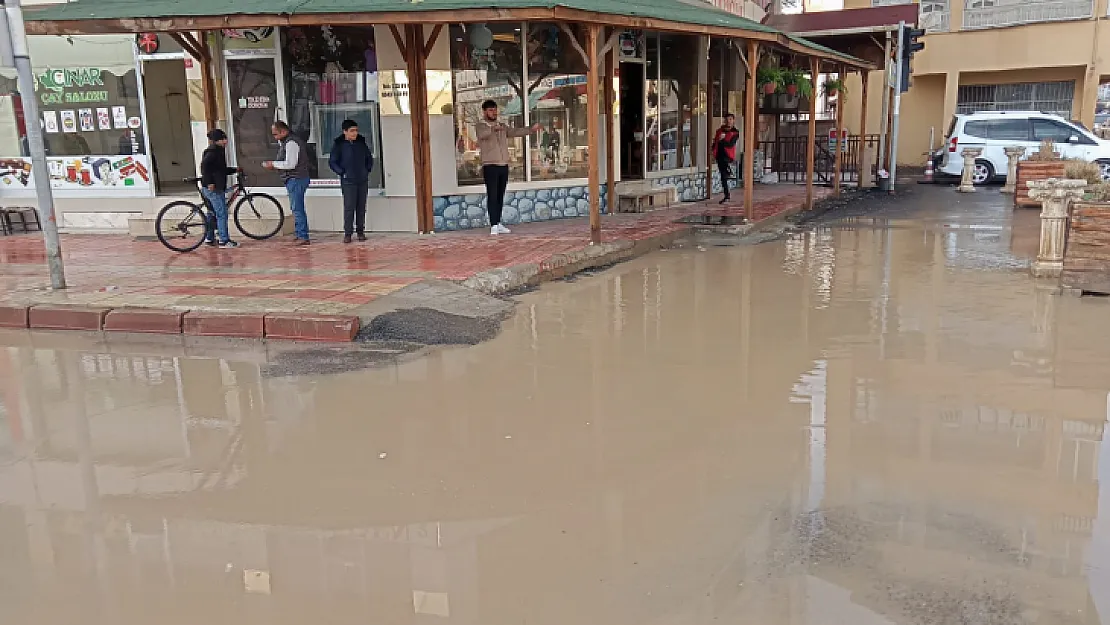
(430, 327)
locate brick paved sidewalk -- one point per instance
(326, 278)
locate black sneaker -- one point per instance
(228, 245)
(211, 243)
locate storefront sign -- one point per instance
(71, 86)
(255, 102)
(80, 172)
(393, 92)
(148, 42)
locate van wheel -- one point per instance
(1104, 169)
(982, 173)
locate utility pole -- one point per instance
(897, 104)
(13, 38)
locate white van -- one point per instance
(994, 131)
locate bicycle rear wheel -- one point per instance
(182, 226)
(259, 216)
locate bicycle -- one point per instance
(183, 226)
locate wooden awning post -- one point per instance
(709, 130)
(750, 128)
(612, 152)
(416, 50)
(198, 48)
(815, 72)
(837, 160)
(592, 131)
(864, 75)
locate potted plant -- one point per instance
(833, 86)
(1086, 244)
(797, 83)
(1042, 164)
(770, 79)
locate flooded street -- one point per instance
(876, 420)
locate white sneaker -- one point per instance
(503, 230)
(495, 230)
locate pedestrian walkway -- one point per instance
(328, 277)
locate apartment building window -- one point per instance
(1047, 97)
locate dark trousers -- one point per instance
(354, 206)
(724, 167)
(497, 178)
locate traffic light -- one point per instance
(911, 44)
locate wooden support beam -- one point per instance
(198, 48)
(416, 65)
(709, 130)
(612, 152)
(811, 150)
(592, 131)
(190, 45)
(432, 40)
(401, 44)
(864, 76)
(751, 126)
(837, 160)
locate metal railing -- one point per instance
(1024, 12)
(788, 157)
(933, 13)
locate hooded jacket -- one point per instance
(352, 161)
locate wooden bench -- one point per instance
(645, 200)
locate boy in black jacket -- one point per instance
(352, 160)
(213, 179)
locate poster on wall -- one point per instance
(119, 117)
(80, 172)
(69, 121)
(87, 124)
(103, 119)
(50, 121)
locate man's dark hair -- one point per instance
(280, 125)
(488, 104)
(349, 124)
(727, 114)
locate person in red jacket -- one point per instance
(724, 150)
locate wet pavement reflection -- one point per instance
(877, 420)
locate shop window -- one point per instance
(487, 62)
(678, 90)
(89, 101)
(556, 82)
(332, 76)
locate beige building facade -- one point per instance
(1045, 55)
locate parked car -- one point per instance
(996, 130)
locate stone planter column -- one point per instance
(967, 185)
(1055, 196)
(1013, 155)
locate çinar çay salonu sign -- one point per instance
(71, 86)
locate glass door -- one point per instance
(254, 99)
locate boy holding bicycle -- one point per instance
(213, 179)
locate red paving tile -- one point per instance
(117, 270)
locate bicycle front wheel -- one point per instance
(259, 216)
(182, 226)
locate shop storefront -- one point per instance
(125, 117)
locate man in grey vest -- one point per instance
(292, 163)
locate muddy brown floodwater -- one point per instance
(876, 421)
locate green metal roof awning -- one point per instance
(127, 16)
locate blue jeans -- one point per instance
(218, 201)
(297, 188)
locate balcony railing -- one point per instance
(935, 22)
(933, 13)
(1025, 12)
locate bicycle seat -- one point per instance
(191, 180)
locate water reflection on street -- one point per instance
(878, 421)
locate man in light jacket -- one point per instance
(353, 161)
(493, 142)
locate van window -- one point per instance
(979, 129)
(1048, 129)
(1010, 129)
